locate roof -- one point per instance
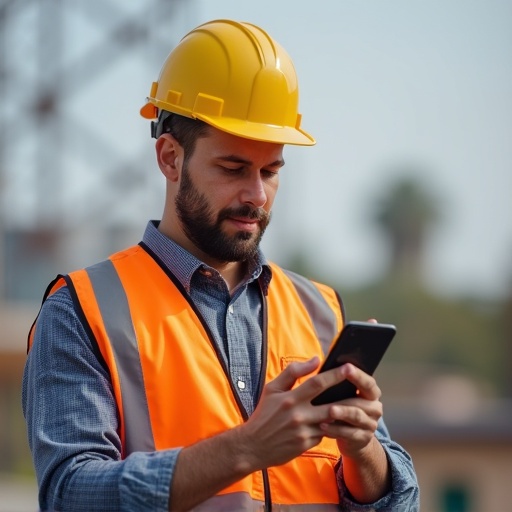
(488, 421)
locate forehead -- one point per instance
(219, 144)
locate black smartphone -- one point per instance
(361, 343)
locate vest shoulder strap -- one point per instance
(323, 305)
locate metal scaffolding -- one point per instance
(70, 154)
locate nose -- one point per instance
(254, 191)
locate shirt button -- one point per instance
(240, 384)
(231, 308)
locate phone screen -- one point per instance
(361, 343)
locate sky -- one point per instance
(384, 85)
(388, 84)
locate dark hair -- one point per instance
(184, 129)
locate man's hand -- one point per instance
(355, 420)
(285, 423)
(353, 424)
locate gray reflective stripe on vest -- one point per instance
(242, 502)
(321, 314)
(115, 312)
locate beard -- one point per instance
(205, 231)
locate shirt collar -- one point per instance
(184, 265)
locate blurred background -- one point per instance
(404, 205)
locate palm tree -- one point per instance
(404, 215)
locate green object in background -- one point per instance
(455, 498)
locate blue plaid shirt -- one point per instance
(71, 410)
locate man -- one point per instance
(179, 373)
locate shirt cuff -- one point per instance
(146, 480)
(403, 495)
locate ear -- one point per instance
(169, 154)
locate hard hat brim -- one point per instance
(258, 131)
(245, 129)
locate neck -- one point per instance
(232, 273)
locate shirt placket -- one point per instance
(239, 358)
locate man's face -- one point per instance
(226, 191)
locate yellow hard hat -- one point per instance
(235, 77)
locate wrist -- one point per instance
(244, 454)
(366, 472)
(364, 453)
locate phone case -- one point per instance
(361, 343)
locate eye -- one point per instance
(267, 174)
(232, 170)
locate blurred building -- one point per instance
(460, 438)
(463, 468)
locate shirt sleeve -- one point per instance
(404, 493)
(72, 424)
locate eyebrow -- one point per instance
(239, 160)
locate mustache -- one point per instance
(245, 211)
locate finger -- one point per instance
(347, 432)
(365, 384)
(347, 421)
(287, 378)
(372, 321)
(360, 414)
(319, 383)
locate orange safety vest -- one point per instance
(171, 386)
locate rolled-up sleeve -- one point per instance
(72, 423)
(404, 493)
